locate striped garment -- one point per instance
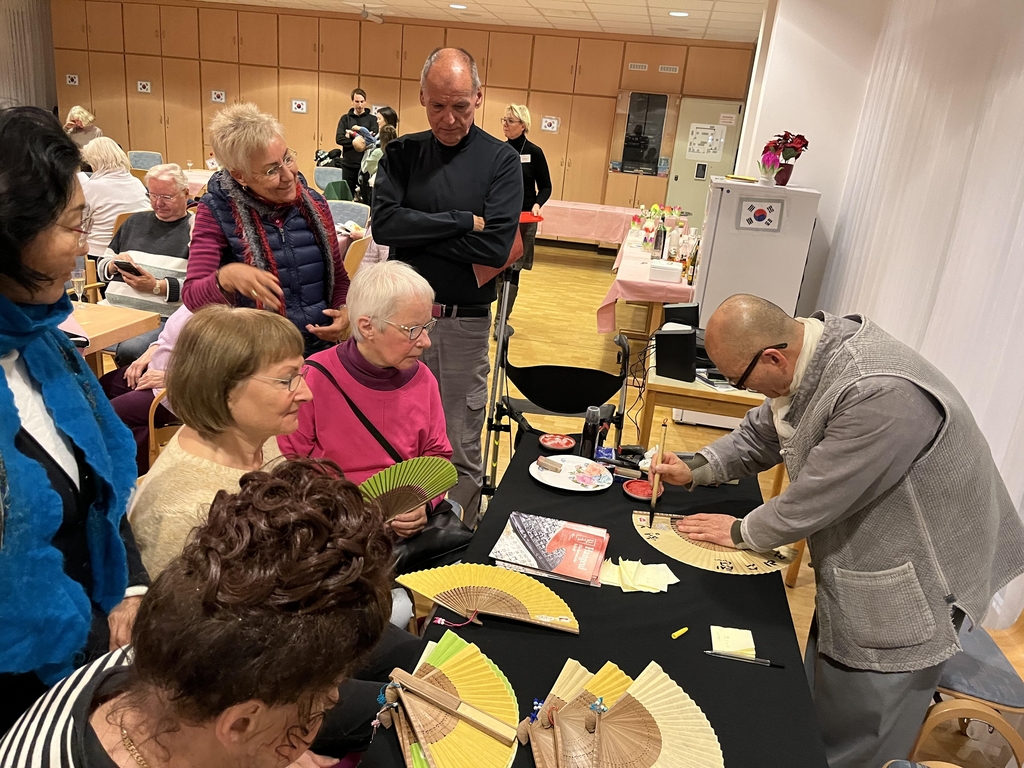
(52, 733)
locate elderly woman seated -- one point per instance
(378, 372)
(241, 644)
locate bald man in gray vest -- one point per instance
(893, 485)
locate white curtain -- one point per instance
(930, 237)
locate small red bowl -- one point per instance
(641, 490)
(558, 443)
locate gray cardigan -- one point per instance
(895, 488)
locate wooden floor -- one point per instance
(555, 322)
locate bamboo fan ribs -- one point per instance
(469, 589)
(457, 710)
(409, 484)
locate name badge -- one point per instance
(524, 158)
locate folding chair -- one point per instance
(143, 161)
(354, 255)
(347, 210)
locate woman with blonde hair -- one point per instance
(262, 237)
(80, 126)
(110, 191)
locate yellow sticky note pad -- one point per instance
(610, 573)
(736, 641)
(627, 574)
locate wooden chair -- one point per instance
(964, 711)
(355, 253)
(159, 437)
(121, 219)
(139, 174)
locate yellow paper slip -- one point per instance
(634, 576)
(739, 642)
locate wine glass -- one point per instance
(189, 164)
(78, 283)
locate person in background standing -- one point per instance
(368, 170)
(351, 157)
(536, 190)
(110, 191)
(80, 126)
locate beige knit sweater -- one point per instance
(175, 497)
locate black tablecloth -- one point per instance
(763, 716)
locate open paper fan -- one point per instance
(468, 588)
(664, 537)
(538, 729)
(575, 743)
(409, 484)
(655, 725)
(460, 706)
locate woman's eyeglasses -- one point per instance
(84, 230)
(287, 162)
(753, 364)
(414, 331)
(292, 382)
(509, 121)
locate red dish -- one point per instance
(641, 490)
(528, 218)
(557, 442)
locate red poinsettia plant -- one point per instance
(787, 146)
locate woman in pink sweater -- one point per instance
(379, 371)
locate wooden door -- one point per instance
(508, 59)
(218, 35)
(299, 46)
(106, 32)
(109, 99)
(554, 63)
(73, 66)
(141, 28)
(586, 164)
(257, 39)
(721, 72)
(598, 67)
(417, 44)
(380, 49)
(179, 32)
(413, 117)
(335, 101)
(301, 129)
(183, 113)
(217, 78)
(493, 108)
(145, 83)
(650, 190)
(621, 190)
(69, 24)
(258, 85)
(381, 92)
(665, 67)
(474, 42)
(339, 46)
(554, 143)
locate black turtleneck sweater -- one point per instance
(424, 200)
(536, 178)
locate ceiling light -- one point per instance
(678, 13)
(371, 17)
(457, 7)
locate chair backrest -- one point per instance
(348, 210)
(338, 190)
(144, 160)
(354, 255)
(324, 175)
(159, 437)
(121, 219)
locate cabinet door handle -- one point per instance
(561, 161)
(241, 41)
(233, 40)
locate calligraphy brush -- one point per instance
(656, 483)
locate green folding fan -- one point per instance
(404, 486)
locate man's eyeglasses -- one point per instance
(414, 331)
(753, 364)
(84, 230)
(288, 162)
(292, 382)
(168, 198)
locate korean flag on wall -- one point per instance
(764, 215)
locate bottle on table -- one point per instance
(591, 429)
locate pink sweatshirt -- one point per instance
(410, 417)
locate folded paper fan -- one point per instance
(538, 729)
(664, 537)
(655, 724)
(460, 706)
(575, 742)
(409, 484)
(469, 588)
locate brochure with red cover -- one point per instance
(543, 546)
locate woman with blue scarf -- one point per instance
(70, 574)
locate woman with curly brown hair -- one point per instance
(240, 644)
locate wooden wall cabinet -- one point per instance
(495, 101)
(474, 41)
(221, 77)
(554, 63)
(380, 92)
(145, 83)
(259, 86)
(257, 38)
(69, 24)
(106, 32)
(720, 72)
(301, 129)
(141, 28)
(334, 102)
(631, 190)
(380, 49)
(554, 144)
(508, 59)
(109, 98)
(412, 115)
(183, 114)
(218, 35)
(179, 31)
(417, 44)
(598, 67)
(72, 63)
(339, 46)
(586, 163)
(299, 42)
(665, 67)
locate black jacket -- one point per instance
(349, 155)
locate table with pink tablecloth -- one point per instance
(633, 283)
(585, 221)
(197, 180)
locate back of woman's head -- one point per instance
(218, 348)
(105, 155)
(84, 116)
(276, 598)
(38, 163)
(387, 134)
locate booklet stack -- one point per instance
(543, 546)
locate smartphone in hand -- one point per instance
(127, 266)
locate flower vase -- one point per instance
(783, 174)
(766, 180)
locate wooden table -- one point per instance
(105, 326)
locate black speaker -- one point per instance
(687, 314)
(676, 353)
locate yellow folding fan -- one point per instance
(460, 708)
(574, 742)
(409, 484)
(537, 729)
(470, 590)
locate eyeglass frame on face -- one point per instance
(510, 121)
(83, 230)
(167, 198)
(275, 170)
(292, 382)
(415, 331)
(753, 364)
